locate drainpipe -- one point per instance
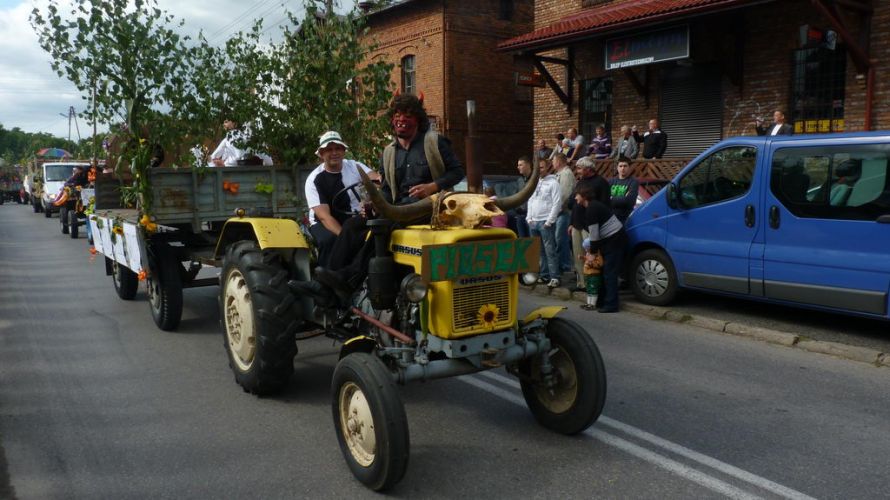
(869, 95)
(474, 166)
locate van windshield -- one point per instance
(58, 173)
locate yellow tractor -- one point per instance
(439, 300)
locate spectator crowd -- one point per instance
(578, 214)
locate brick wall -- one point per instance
(453, 42)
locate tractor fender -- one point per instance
(267, 232)
(546, 312)
(361, 343)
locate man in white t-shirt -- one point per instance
(229, 150)
(327, 215)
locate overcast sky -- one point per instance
(34, 98)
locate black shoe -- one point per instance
(587, 307)
(333, 280)
(314, 289)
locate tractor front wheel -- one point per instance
(370, 421)
(571, 397)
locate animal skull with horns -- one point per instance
(469, 210)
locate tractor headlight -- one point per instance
(414, 288)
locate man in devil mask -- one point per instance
(418, 163)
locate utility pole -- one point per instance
(72, 115)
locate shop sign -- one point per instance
(647, 48)
(530, 79)
(819, 126)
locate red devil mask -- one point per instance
(404, 125)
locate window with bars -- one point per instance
(409, 84)
(817, 90)
(596, 106)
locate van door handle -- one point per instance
(749, 215)
(774, 217)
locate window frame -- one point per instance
(407, 73)
(710, 181)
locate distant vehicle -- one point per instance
(54, 176)
(799, 220)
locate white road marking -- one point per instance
(662, 461)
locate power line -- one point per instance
(228, 28)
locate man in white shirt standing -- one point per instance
(327, 215)
(230, 149)
(779, 127)
(543, 210)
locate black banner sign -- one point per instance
(648, 48)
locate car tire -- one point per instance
(653, 278)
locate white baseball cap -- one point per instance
(327, 138)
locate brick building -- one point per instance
(707, 68)
(446, 50)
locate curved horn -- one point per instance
(398, 213)
(522, 196)
(420, 97)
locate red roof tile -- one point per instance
(613, 17)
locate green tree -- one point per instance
(317, 78)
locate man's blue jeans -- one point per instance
(549, 253)
(564, 243)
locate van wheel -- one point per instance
(654, 278)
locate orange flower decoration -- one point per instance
(231, 187)
(93, 250)
(142, 275)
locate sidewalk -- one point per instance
(786, 326)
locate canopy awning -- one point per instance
(616, 17)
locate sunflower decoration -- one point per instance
(146, 222)
(488, 315)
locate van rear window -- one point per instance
(833, 182)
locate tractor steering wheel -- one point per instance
(352, 188)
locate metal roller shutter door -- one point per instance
(691, 109)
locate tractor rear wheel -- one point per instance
(73, 229)
(63, 218)
(259, 318)
(575, 396)
(370, 421)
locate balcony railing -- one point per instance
(665, 168)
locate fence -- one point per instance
(654, 169)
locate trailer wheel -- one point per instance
(164, 286)
(578, 394)
(63, 218)
(370, 421)
(259, 317)
(35, 204)
(47, 211)
(126, 283)
(73, 230)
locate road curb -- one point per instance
(853, 353)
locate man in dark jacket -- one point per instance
(778, 127)
(655, 142)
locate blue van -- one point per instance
(800, 220)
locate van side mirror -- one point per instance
(673, 200)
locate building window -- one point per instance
(817, 90)
(409, 84)
(505, 11)
(596, 106)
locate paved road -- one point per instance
(95, 402)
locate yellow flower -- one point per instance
(151, 227)
(488, 315)
(117, 230)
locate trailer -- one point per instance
(196, 214)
